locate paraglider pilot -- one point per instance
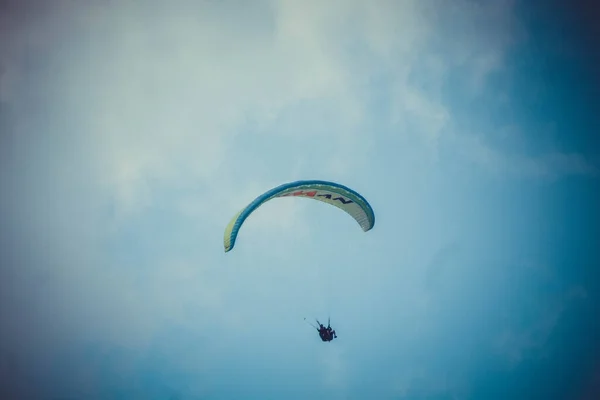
(326, 333)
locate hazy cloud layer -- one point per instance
(131, 132)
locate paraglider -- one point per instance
(331, 193)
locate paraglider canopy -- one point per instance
(331, 193)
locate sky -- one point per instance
(131, 132)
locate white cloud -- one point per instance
(174, 106)
(162, 116)
(162, 93)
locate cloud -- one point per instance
(444, 262)
(170, 103)
(515, 344)
(334, 365)
(136, 130)
(547, 166)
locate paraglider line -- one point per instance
(310, 324)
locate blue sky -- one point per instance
(131, 132)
